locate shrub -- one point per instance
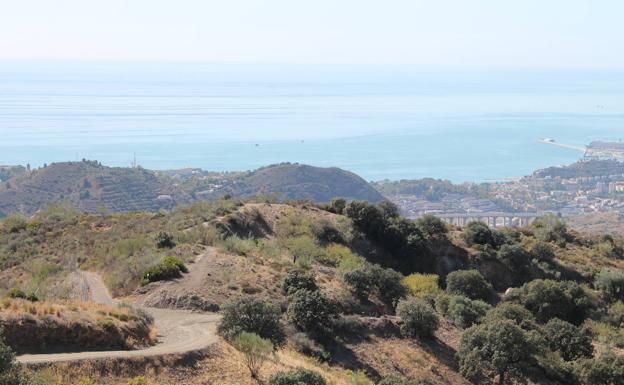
(418, 319)
(608, 369)
(422, 285)
(337, 205)
(10, 370)
(170, 267)
(297, 280)
(465, 312)
(469, 283)
(479, 233)
(396, 380)
(386, 283)
(514, 256)
(549, 228)
(311, 311)
(432, 226)
(360, 281)
(138, 380)
(247, 314)
(255, 349)
(164, 240)
(303, 344)
(548, 299)
(513, 312)
(18, 293)
(542, 251)
(572, 342)
(496, 348)
(297, 377)
(612, 283)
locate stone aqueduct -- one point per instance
(493, 219)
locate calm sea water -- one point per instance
(380, 122)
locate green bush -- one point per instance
(513, 312)
(432, 227)
(10, 371)
(255, 349)
(479, 233)
(164, 240)
(548, 299)
(570, 341)
(421, 285)
(297, 280)
(496, 348)
(469, 283)
(247, 314)
(385, 283)
(169, 268)
(311, 311)
(542, 251)
(18, 293)
(608, 369)
(297, 377)
(612, 283)
(465, 312)
(514, 256)
(396, 380)
(418, 319)
(549, 228)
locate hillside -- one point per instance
(92, 187)
(286, 181)
(89, 187)
(362, 260)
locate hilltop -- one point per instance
(293, 181)
(91, 187)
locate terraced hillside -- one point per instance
(288, 181)
(90, 187)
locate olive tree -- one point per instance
(498, 348)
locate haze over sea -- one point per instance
(394, 122)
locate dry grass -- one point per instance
(29, 326)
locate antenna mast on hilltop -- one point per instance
(134, 160)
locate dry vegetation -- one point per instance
(34, 326)
(259, 244)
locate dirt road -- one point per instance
(179, 331)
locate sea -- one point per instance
(379, 121)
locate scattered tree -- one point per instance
(311, 311)
(297, 377)
(432, 227)
(418, 319)
(10, 371)
(297, 280)
(608, 369)
(164, 240)
(612, 283)
(465, 312)
(498, 348)
(248, 314)
(469, 283)
(571, 341)
(255, 349)
(548, 299)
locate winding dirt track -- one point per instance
(179, 331)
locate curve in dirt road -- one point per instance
(179, 331)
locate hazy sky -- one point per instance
(552, 33)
